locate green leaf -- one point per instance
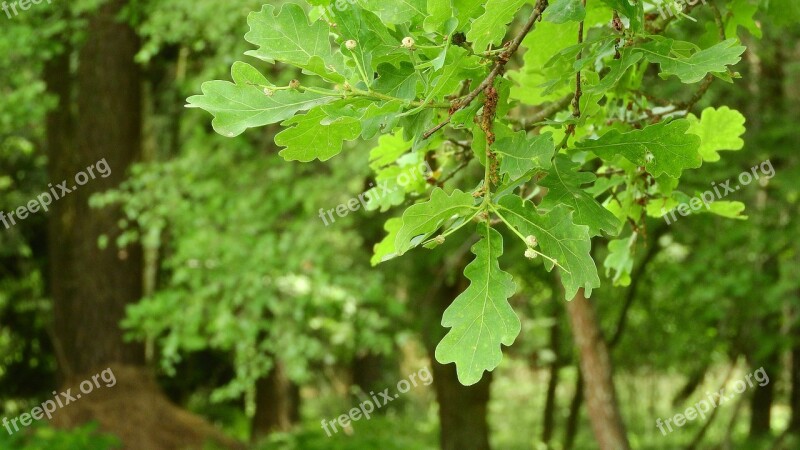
(634, 12)
(618, 68)
(374, 43)
(310, 139)
(741, 14)
(389, 149)
(490, 27)
(400, 82)
(237, 107)
(385, 249)
(694, 68)
(480, 318)
(398, 11)
(521, 153)
(565, 187)
(661, 148)
(719, 129)
(290, 39)
(420, 221)
(559, 238)
(620, 261)
(562, 11)
(729, 209)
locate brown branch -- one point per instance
(548, 111)
(510, 48)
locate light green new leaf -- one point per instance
(237, 107)
(559, 238)
(620, 261)
(729, 209)
(310, 139)
(287, 37)
(564, 183)
(521, 153)
(694, 68)
(490, 27)
(420, 221)
(661, 148)
(480, 318)
(562, 11)
(719, 129)
(385, 250)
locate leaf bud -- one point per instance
(531, 253)
(531, 241)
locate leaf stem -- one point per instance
(515, 231)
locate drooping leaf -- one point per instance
(420, 221)
(559, 238)
(719, 129)
(661, 148)
(480, 319)
(310, 139)
(521, 153)
(694, 68)
(565, 186)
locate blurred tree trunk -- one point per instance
(462, 409)
(277, 403)
(571, 427)
(91, 286)
(601, 399)
(549, 415)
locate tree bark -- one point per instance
(277, 403)
(92, 286)
(595, 364)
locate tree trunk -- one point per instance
(277, 403)
(549, 415)
(571, 428)
(92, 286)
(595, 364)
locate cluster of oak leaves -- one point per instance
(391, 71)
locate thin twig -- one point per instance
(510, 48)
